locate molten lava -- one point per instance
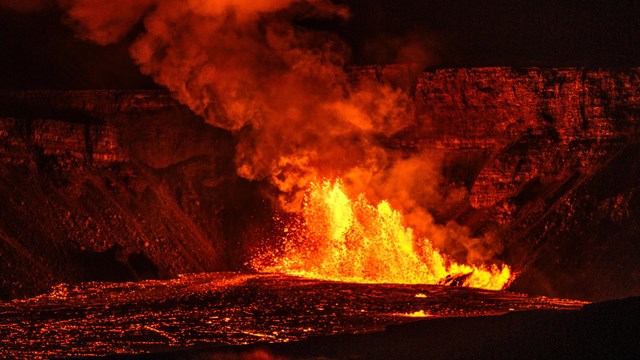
(340, 239)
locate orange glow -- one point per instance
(340, 239)
(419, 313)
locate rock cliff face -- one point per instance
(550, 165)
(556, 120)
(109, 185)
(132, 182)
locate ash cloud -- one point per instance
(281, 88)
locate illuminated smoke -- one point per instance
(245, 67)
(250, 67)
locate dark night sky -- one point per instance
(39, 52)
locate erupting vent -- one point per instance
(337, 238)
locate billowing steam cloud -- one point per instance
(246, 66)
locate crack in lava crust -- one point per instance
(339, 239)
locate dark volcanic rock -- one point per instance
(606, 330)
(106, 185)
(551, 163)
(532, 123)
(585, 245)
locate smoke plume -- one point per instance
(251, 67)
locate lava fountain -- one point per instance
(340, 239)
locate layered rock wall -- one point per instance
(109, 185)
(550, 166)
(531, 123)
(94, 144)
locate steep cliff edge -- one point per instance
(123, 185)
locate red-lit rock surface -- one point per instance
(551, 166)
(134, 183)
(109, 185)
(561, 120)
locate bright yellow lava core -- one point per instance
(340, 239)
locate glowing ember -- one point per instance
(419, 313)
(339, 239)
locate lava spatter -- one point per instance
(341, 239)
